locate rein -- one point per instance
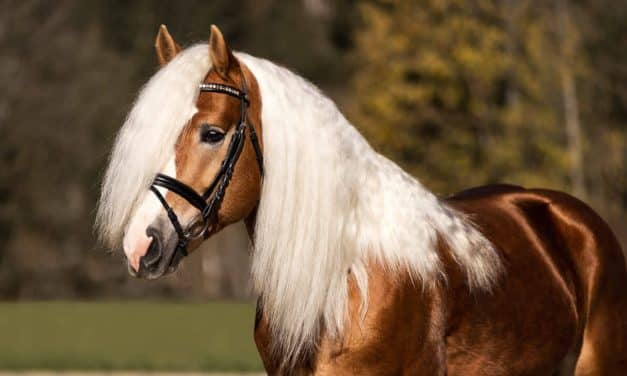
(216, 190)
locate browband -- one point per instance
(224, 89)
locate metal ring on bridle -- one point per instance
(198, 222)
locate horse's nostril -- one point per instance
(153, 255)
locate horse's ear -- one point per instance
(219, 52)
(165, 46)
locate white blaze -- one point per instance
(136, 242)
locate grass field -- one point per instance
(128, 335)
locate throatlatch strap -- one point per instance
(255, 141)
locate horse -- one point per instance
(358, 269)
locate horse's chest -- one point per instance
(401, 333)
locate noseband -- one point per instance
(215, 192)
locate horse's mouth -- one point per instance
(154, 270)
(165, 253)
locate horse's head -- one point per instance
(214, 178)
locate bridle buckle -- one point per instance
(198, 228)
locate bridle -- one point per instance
(216, 190)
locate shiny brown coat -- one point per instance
(560, 308)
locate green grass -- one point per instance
(128, 335)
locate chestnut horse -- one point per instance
(358, 269)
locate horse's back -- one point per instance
(563, 286)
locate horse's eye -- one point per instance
(210, 135)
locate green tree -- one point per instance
(462, 93)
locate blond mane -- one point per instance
(329, 205)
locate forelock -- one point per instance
(146, 141)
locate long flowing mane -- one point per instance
(330, 204)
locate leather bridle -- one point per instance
(216, 190)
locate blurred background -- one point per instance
(459, 92)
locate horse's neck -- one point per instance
(398, 304)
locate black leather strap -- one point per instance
(173, 218)
(180, 189)
(256, 145)
(228, 166)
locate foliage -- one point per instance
(527, 92)
(443, 87)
